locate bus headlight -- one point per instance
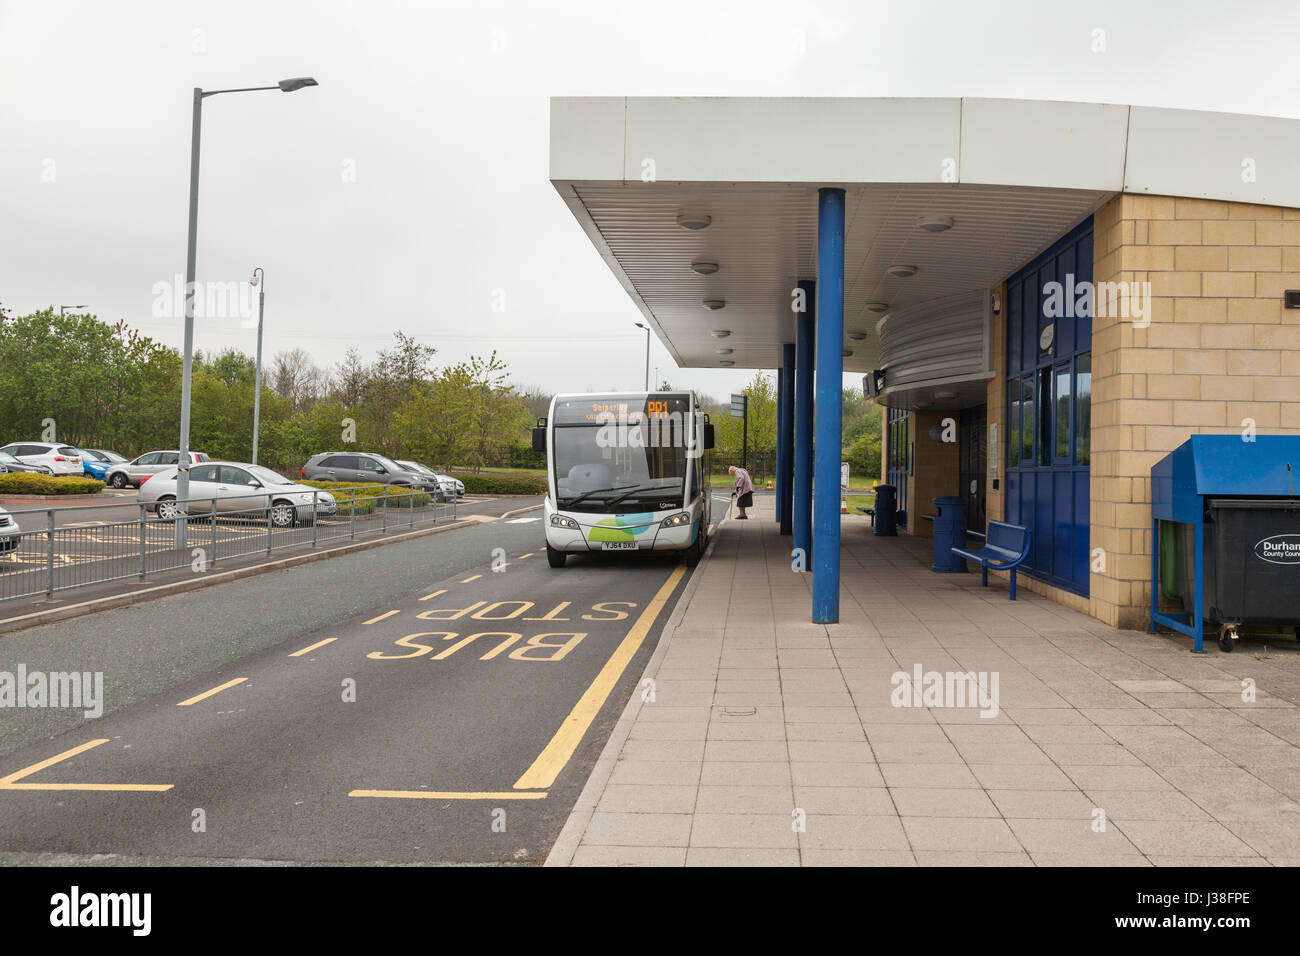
(560, 521)
(681, 519)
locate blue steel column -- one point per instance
(801, 507)
(785, 451)
(780, 443)
(829, 415)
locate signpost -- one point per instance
(844, 487)
(740, 409)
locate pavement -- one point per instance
(758, 738)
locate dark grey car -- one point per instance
(365, 467)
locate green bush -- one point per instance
(363, 498)
(504, 483)
(27, 483)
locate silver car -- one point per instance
(446, 490)
(10, 534)
(238, 487)
(150, 463)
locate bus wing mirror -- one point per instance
(708, 435)
(539, 437)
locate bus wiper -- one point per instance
(585, 494)
(638, 490)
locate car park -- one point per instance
(95, 462)
(365, 467)
(60, 459)
(139, 470)
(238, 487)
(10, 533)
(8, 463)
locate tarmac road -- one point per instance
(405, 705)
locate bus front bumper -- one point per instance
(658, 539)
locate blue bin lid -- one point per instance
(1226, 466)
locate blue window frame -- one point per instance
(1049, 421)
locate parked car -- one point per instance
(10, 534)
(455, 483)
(9, 463)
(367, 467)
(446, 490)
(60, 459)
(96, 462)
(150, 463)
(236, 486)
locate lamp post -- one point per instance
(183, 459)
(62, 308)
(259, 281)
(647, 353)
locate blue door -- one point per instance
(1049, 423)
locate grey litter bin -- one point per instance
(886, 510)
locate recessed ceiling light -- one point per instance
(726, 362)
(945, 396)
(724, 351)
(704, 268)
(713, 305)
(924, 404)
(848, 352)
(720, 333)
(901, 272)
(693, 220)
(934, 223)
(857, 336)
(878, 307)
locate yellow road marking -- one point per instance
(50, 762)
(311, 647)
(208, 693)
(434, 594)
(559, 751)
(522, 556)
(472, 577)
(434, 795)
(102, 787)
(376, 620)
(10, 782)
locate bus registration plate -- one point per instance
(621, 545)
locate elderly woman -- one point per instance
(744, 491)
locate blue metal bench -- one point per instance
(1006, 547)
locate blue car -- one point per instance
(94, 461)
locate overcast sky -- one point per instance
(411, 185)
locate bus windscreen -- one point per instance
(621, 452)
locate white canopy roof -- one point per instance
(1012, 175)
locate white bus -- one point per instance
(627, 471)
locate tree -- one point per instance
(350, 377)
(295, 376)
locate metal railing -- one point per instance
(58, 548)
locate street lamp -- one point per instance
(63, 307)
(258, 282)
(647, 353)
(183, 459)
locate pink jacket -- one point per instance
(743, 482)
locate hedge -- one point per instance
(29, 483)
(364, 498)
(504, 483)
